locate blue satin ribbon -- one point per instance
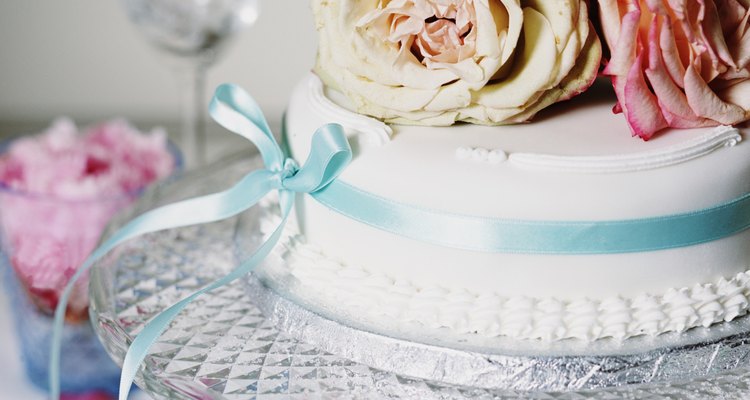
(330, 153)
(237, 111)
(537, 237)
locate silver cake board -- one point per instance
(472, 361)
(502, 363)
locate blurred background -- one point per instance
(86, 60)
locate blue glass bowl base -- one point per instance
(85, 365)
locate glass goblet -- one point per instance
(192, 32)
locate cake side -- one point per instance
(373, 298)
(694, 285)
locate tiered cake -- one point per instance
(433, 63)
(559, 168)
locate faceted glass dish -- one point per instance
(224, 347)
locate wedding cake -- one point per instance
(426, 204)
(566, 227)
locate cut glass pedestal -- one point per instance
(248, 341)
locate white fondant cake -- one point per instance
(575, 162)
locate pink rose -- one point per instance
(678, 63)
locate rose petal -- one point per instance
(670, 53)
(740, 41)
(491, 25)
(671, 99)
(623, 52)
(533, 66)
(738, 94)
(707, 104)
(714, 36)
(580, 79)
(641, 106)
(696, 61)
(609, 14)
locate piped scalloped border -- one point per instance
(378, 296)
(379, 133)
(720, 137)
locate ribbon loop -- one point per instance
(329, 155)
(236, 110)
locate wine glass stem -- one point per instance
(193, 115)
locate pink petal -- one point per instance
(617, 108)
(676, 121)
(740, 42)
(731, 13)
(641, 106)
(706, 103)
(738, 94)
(714, 35)
(680, 10)
(657, 7)
(609, 14)
(671, 99)
(671, 53)
(623, 52)
(679, 7)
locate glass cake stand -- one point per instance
(249, 340)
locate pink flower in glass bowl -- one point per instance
(58, 191)
(677, 63)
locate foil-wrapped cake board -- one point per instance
(249, 340)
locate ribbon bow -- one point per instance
(234, 109)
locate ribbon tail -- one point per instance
(210, 208)
(151, 331)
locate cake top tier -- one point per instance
(553, 168)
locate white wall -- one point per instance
(83, 58)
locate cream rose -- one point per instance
(435, 62)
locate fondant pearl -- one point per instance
(497, 157)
